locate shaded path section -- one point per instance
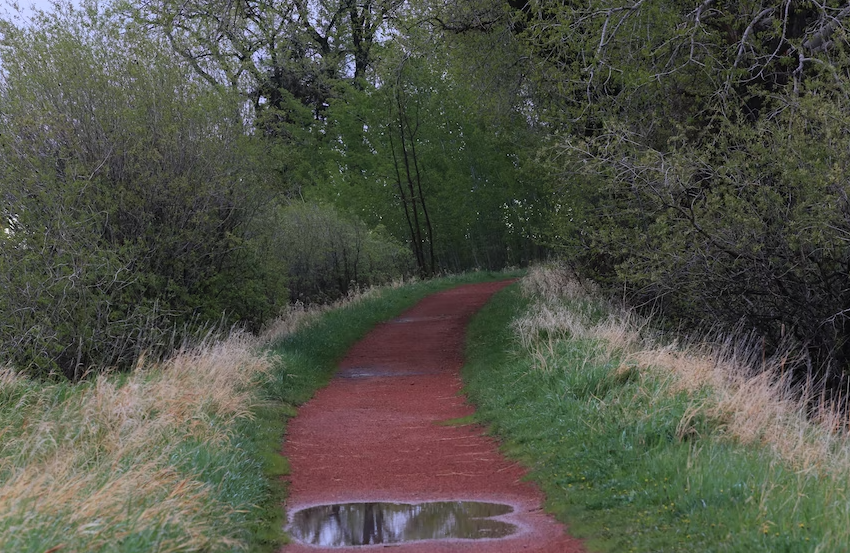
(374, 435)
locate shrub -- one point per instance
(126, 191)
(327, 253)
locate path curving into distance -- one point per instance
(373, 435)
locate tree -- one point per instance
(274, 52)
(300, 61)
(402, 131)
(128, 193)
(436, 157)
(697, 160)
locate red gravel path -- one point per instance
(371, 435)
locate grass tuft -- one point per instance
(116, 460)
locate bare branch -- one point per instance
(193, 60)
(819, 41)
(762, 15)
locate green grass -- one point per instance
(180, 456)
(631, 465)
(304, 362)
(132, 462)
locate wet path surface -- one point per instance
(390, 523)
(373, 436)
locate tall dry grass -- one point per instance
(298, 315)
(114, 463)
(87, 467)
(747, 395)
(102, 465)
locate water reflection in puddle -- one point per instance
(374, 523)
(426, 319)
(378, 372)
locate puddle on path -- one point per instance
(403, 320)
(387, 523)
(378, 372)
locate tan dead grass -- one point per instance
(729, 382)
(555, 282)
(83, 466)
(297, 315)
(94, 506)
(9, 377)
(106, 450)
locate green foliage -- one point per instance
(750, 230)
(328, 254)
(429, 139)
(385, 109)
(128, 188)
(609, 451)
(697, 161)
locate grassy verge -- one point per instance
(178, 456)
(640, 447)
(307, 359)
(136, 462)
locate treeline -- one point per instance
(691, 155)
(699, 162)
(380, 110)
(138, 206)
(170, 168)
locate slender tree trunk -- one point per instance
(424, 269)
(417, 246)
(428, 228)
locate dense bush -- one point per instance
(127, 192)
(750, 234)
(702, 160)
(327, 253)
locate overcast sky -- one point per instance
(26, 5)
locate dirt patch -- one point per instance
(374, 435)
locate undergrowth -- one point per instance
(180, 455)
(645, 446)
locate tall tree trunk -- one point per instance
(428, 228)
(414, 244)
(425, 270)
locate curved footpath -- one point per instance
(373, 433)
